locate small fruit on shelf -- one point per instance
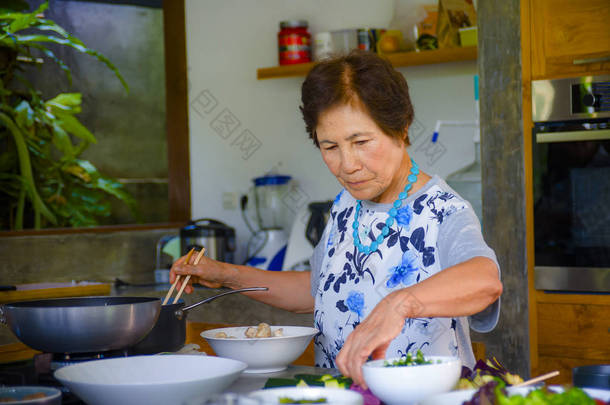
(389, 43)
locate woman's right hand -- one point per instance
(208, 272)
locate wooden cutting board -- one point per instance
(25, 292)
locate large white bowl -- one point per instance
(150, 380)
(458, 397)
(410, 384)
(449, 398)
(263, 355)
(333, 396)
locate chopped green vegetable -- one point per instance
(408, 360)
(288, 400)
(310, 380)
(332, 384)
(281, 382)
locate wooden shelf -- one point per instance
(399, 59)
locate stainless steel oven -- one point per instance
(571, 168)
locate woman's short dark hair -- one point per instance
(359, 78)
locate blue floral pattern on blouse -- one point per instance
(403, 217)
(355, 302)
(352, 283)
(406, 272)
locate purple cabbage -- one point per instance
(486, 395)
(369, 397)
(493, 368)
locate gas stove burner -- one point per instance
(35, 372)
(59, 360)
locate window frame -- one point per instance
(177, 132)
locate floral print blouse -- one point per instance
(348, 284)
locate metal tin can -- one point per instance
(294, 42)
(368, 37)
(364, 41)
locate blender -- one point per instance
(267, 246)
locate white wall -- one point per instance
(227, 40)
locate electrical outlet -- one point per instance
(230, 201)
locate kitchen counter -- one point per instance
(38, 291)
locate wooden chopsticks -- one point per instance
(186, 280)
(171, 290)
(538, 379)
(188, 277)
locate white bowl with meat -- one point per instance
(265, 348)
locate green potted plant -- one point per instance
(43, 182)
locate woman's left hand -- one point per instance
(372, 336)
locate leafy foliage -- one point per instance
(43, 182)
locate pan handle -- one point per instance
(181, 312)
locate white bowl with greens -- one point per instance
(397, 381)
(308, 395)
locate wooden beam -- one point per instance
(526, 80)
(176, 96)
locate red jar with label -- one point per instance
(294, 42)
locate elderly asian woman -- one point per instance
(402, 265)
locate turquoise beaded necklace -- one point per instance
(391, 214)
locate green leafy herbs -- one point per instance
(409, 360)
(494, 393)
(288, 400)
(43, 180)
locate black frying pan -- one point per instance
(169, 333)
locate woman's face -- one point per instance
(368, 163)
